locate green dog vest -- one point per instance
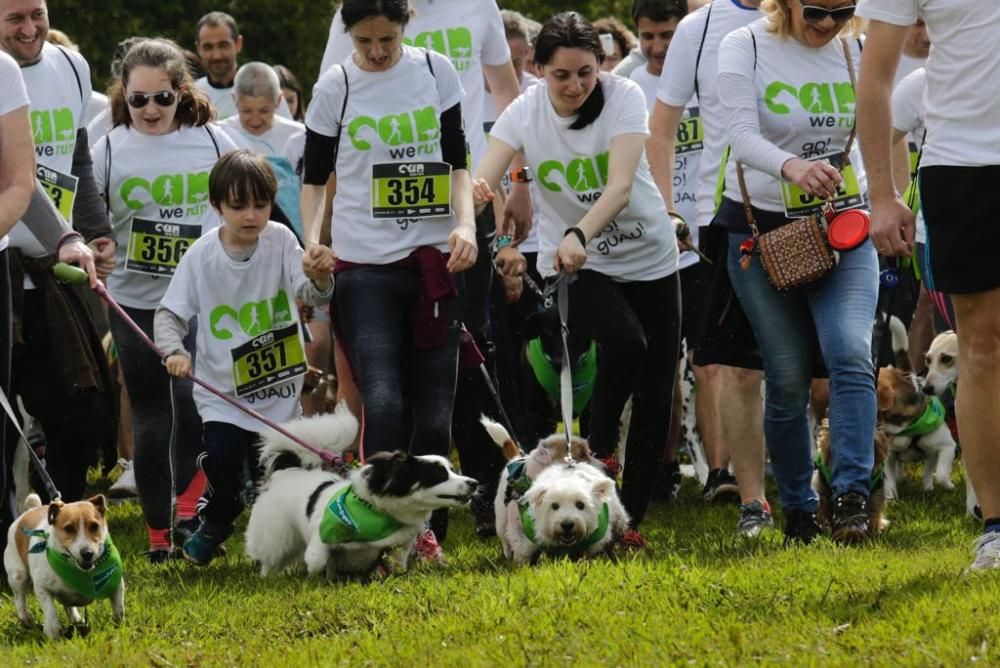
(101, 581)
(350, 519)
(547, 375)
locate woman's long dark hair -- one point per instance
(570, 30)
(353, 12)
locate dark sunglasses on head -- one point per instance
(814, 14)
(162, 99)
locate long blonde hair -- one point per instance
(779, 17)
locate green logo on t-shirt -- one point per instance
(582, 175)
(54, 131)
(407, 135)
(817, 99)
(253, 318)
(174, 191)
(456, 43)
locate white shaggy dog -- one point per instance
(338, 525)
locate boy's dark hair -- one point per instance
(572, 30)
(353, 12)
(240, 178)
(658, 10)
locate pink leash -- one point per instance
(71, 274)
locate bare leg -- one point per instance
(742, 424)
(318, 356)
(347, 389)
(921, 332)
(706, 408)
(674, 435)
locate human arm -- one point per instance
(892, 228)
(169, 331)
(518, 213)
(17, 167)
(900, 160)
(660, 153)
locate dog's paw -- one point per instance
(53, 631)
(946, 484)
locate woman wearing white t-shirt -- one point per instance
(153, 170)
(603, 221)
(388, 122)
(785, 83)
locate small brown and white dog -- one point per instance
(65, 551)
(942, 364)
(822, 484)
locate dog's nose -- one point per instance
(87, 554)
(567, 526)
(929, 390)
(473, 485)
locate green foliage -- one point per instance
(290, 32)
(698, 596)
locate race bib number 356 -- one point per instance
(156, 247)
(269, 359)
(411, 190)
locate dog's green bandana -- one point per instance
(878, 475)
(517, 476)
(528, 525)
(931, 419)
(350, 519)
(101, 581)
(547, 375)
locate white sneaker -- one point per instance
(125, 485)
(987, 552)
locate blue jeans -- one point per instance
(838, 310)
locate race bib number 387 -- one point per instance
(156, 247)
(690, 137)
(269, 359)
(411, 190)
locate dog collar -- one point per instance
(929, 420)
(528, 526)
(350, 519)
(584, 373)
(101, 581)
(878, 475)
(517, 476)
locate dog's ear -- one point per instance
(54, 509)
(580, 450)
(100, 503)
(534, 495)
(884, 393)
(604, 489)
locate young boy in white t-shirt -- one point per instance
(241, 281)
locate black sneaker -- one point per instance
(668, 481)
(482, 509)
(721, 487)
(849, 525)
(801, 527)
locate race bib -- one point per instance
(798, 203)
(155, 247)
(689, 134)
(411, 190)
(269, 359)
(61, 189)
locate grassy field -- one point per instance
(698, 596)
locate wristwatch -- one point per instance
(522, 175)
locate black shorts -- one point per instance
(962, 208)
(693, 281)
(725, 335)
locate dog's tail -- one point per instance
(500, 436)
(32, 501)
(900, 344)
(333, 432)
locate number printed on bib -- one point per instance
(61, 189)
(689, 134)
(156, 247)
(799, 204)
(268, 359)
(411, 190)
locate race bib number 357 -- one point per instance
(156, 247)
(411, 190)
(269, 359)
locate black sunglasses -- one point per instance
(814, 14)
(162, 99)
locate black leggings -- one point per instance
(8, 510)
(166, 428)
(637, 328)
(408, 394)
(230, 463)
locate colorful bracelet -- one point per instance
(579, 235)
(502, 241)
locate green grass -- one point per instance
(698, 596)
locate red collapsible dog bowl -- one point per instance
(848, 229)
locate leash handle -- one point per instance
(73, 275)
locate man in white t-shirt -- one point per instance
(726, 360)
(959, 198)
(219, 42)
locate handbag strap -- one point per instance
(747, 209)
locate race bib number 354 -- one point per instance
(269, 359)
(411, 190)
(156, 247)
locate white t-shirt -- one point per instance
(685, 163)
(98, 104)
(236, 302)
(59, 88)
(571, 167)
(907, 65)
(805, 104)
(469, 32)
(530, 243)
(223, 100)
(963, 76)
(13, 95)
(157, 180)
(391, 117)
(677, 87)
(908, 117)
(99, 126)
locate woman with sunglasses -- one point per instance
(153, 171)
(786, 85)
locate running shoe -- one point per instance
(162, 556)
(721, 487)
(849, 525)
(801, 527)
(632, 540)
(426, 549)
(483, 511)
(124, 487)
(987, 549)
(668, 481)
(754, 518)
(204, 543)
(184, 529)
